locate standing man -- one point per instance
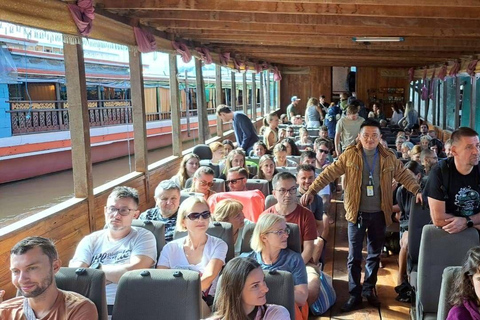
(120, 247)
(33, 263)
(245, 132)
(369, 169)
(452, 187)
(347, 129)
(292, 109)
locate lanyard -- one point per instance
(370, 171)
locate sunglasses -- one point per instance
(234, 181)
(204, 183)
(323, 151)
(205, 215)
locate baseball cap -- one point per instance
(294, 98)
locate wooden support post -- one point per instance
(79, 126)
(203, 127)
(175, 106)
(254, 97)
(218, 97)
(233, 95)
(267, 91)
(262, 95)
(138, 112)
(245, 93)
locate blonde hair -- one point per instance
(312, 102)
(263, 159)
(226, 209)
(214, 146)
(265, 224)
(186, 208)
(182, 173)
(228, 162)
(416, 149)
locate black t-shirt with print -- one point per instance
(462, 195)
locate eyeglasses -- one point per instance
(122, 211)
(323, 151)
(196, 215)
(289, 131)
(234, 181)
(204, 183)
(280, 232)
(283, 192)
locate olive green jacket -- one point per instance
(350, 163)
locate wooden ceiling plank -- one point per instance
(380, 10)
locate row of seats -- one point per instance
(430, 251)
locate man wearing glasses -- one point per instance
(369, 169)
(237, 179)
(285, 192)
(119, 247)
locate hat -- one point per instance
(294, 98)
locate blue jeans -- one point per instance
(373, 224)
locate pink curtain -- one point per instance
(454, 70)
(204, 55)
(236, 64)
(83, 14)
(145, 40)
(431, 89)
(277, 76)
(258, 67)
(424, 95)
(224, 58)
(471, 68)
(183, 50)
(411, 74)
(443, 72)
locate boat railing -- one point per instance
(49, 116)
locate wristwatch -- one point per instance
(469, 222)
(96, 265)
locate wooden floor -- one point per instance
(336, 267)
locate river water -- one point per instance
(23, 198)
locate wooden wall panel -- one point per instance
(376, 78)
(304, 83)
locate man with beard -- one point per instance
(120, 247)
(453, 185)
(33, 264)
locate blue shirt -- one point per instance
(154, 214)
(245, 132)
(288, 260)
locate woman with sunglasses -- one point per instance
(266, 169)
(203, 181)
(231, 211)
(269, 245)
(197, 251)
(242, 294)
(188, 166)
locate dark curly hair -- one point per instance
(463, 288)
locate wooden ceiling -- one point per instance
(313, 32)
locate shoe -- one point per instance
(372, 299)
(352, 304)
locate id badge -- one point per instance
(369, 191)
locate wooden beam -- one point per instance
(254, 96)
(79, 126)
(218, 96)
(233, 95)
(269, 7)
(449, 30)
(203, 127)
(175, 106)
(244, 93)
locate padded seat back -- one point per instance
(203, 151)
(259, 184)
(155, 227)
(90, 283)
(253, 202)
(293, 238)
(152, 294)
(294, 158)
(215, 167)
(185, 194)
(292, 170)
(419, 217)
(222, 230)
(218, 184)
(448, 279)
(270, 201)
(438, 250)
